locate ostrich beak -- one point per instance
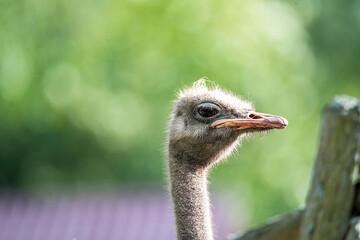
(254, 120)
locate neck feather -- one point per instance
(191, 200)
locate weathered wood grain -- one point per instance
(330, 199)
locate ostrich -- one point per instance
(206, 125)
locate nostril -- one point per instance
(255, 116)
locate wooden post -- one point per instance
(330, 200)
(331, 194)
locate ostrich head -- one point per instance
(207, 123)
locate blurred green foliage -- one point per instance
(86, 87)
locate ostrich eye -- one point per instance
(207, 110)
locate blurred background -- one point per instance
(86, 90)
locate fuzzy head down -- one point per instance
(207, 123)
(191, 136)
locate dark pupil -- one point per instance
(207, 111)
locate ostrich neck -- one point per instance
(191, 200)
